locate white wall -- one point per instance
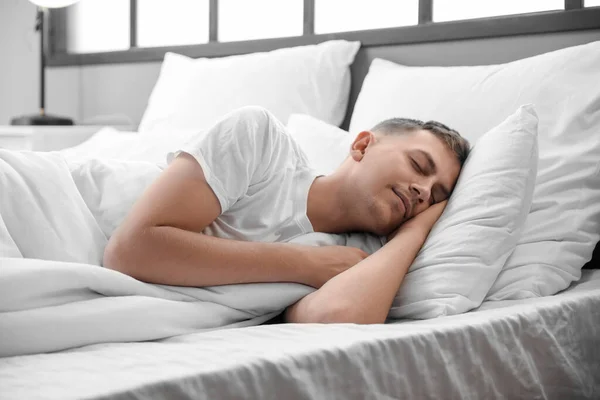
(19, 59)
(19, 68)
(116, 93)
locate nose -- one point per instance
(421, 192)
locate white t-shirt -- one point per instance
(259, 174)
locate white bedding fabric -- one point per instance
(535, 348)
(55, 219)
(109, 143)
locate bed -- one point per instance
(538, 348)
(543, 347)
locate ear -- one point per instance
(363, 140)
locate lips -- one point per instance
(407, 208)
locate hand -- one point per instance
(328, 261)
(423, 221)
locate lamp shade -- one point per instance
(53, 3)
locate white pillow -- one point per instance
(193, 94)
(479, 229)
(564, 223)
(325, 145)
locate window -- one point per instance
(176, 22)
(143, 30)
(452, 10)
(342, 15)
(98, 26)
(259, 19)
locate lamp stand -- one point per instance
(42, 118)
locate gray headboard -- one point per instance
(463, 52)
(123, 89)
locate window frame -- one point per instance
(573, 17)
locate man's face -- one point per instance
(395, 177)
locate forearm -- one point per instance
(365, 292)
(173, 256)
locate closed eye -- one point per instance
(417, 167)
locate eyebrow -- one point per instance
(433, 169)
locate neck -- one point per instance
(326, 206)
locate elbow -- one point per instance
(118, 255)
(338, 313)
(335, 315)
(347, 315)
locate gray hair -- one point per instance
(455, 142)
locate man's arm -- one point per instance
(364, 293)
(160, 241)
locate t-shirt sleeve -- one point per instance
(236, 152)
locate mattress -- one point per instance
(535, 348)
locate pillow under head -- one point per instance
(479, 228)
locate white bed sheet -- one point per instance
(536, 348)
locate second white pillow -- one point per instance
(195, 93)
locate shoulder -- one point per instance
(255, 118)
(254, 113)
(256, 127)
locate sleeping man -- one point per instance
(228, 203)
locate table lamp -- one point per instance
(42, 118)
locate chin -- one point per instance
(383, 229)
(377, 221)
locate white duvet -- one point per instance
(55, 219)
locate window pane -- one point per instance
(356, 15)
(176, 22)
(259, 19)
(98, 25)
(591, 3)
(451, 10)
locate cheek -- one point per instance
(401, 171)
(373, 181)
